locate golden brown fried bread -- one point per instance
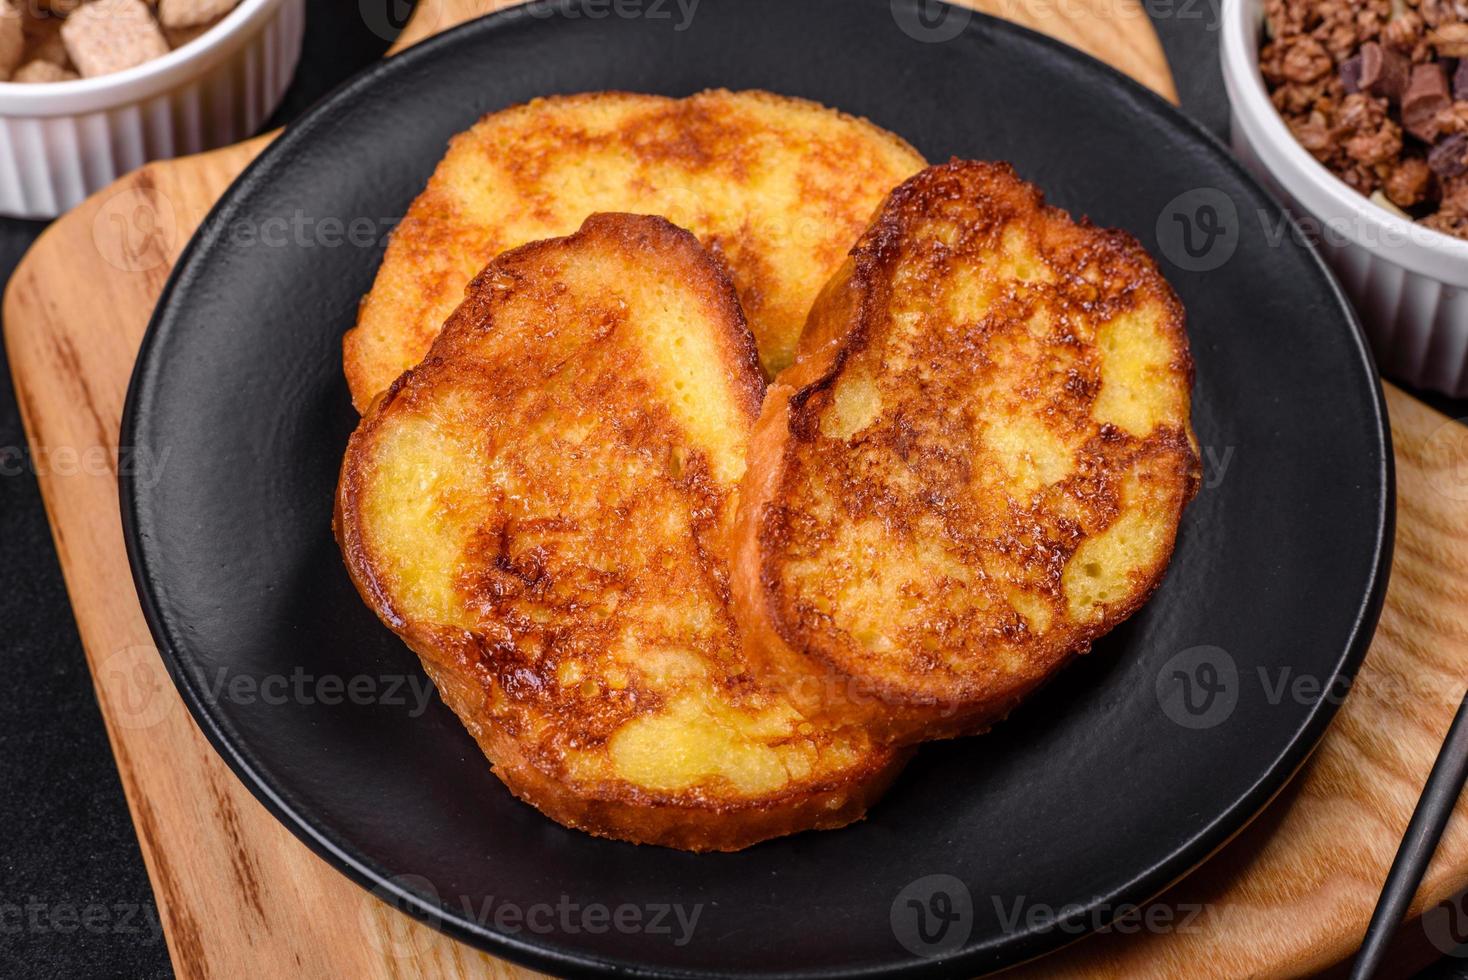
(976, 465)
(776, 188)
(541, 510)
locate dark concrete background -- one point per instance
(66, 840)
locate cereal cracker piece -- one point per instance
(59, 8)
(12, 39)
(177, 37)
(43, 39)
(109, 35)
(43, 71)
(192, 13)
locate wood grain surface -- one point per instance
(239, 895)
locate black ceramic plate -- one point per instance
(1117, 779)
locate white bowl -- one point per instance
(1408, 282)
(60, 141)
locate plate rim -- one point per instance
(1016, 946)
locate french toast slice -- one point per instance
(976, 465)
(541, 510)
(776, 188)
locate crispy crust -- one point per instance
(690, 824)
(920, 475)
(776, 188)
(490, 654)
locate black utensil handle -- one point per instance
(1439, 796)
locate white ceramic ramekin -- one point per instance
(1409, 283)
(60, 141)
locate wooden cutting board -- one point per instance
(238, 895)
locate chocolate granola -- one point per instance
(1377, 90)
